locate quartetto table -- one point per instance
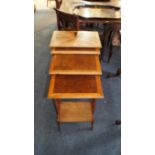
(75, 74)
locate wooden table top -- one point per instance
(75, 39)
(75, 86)
(91, 9)
(75, 64)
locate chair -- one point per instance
(67, 21)
(115, 39)
(112, 38)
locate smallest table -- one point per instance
(75, 74)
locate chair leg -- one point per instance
(118, 122)
(106, 42)
(110, 46)
(118, 72)
(110, 54)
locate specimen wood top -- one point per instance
(75, 86)
(75, 64)
(75, 39)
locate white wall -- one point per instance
(42, 4)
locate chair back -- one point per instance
(67, 21)
(58, 3)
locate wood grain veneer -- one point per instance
(75, 86)
(75, 64)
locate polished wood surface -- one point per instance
(84, 8)
(75, 39)
(75, 51)
(75, 86)
(75, 64)
(75, 112)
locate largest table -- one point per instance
(93, 11)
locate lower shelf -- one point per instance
(75, 112)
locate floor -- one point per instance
(75, 138)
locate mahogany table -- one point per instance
(91, 11)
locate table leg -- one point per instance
(92, 125)
(57, 107)
(59, 128)
(93, 103)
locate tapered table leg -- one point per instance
(59, 128)
(92, 125)
(93, 103)
(57, 108)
